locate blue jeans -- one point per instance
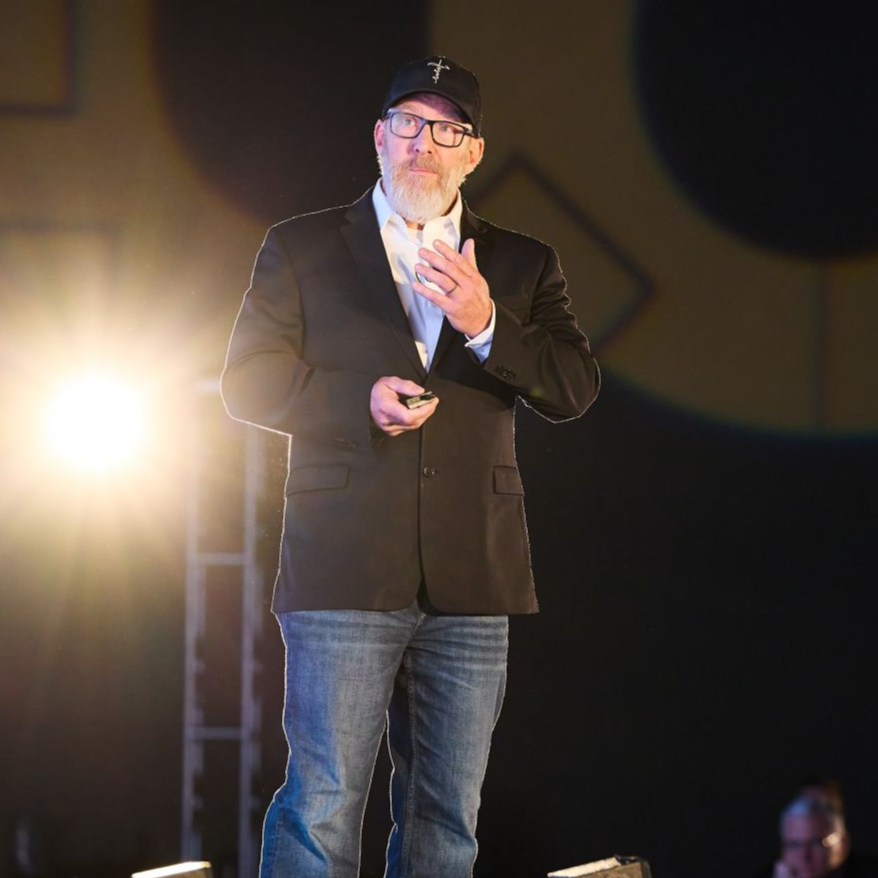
(439, 682)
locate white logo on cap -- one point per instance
(439, 68)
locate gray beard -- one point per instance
(414, 199)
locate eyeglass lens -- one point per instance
(444, 133)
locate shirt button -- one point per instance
(429, 471)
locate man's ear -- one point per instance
(476, 152)
(379, 134)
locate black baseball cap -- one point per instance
(439, 76)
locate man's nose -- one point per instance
(424, 141)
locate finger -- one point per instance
(394, 410)
(456, 270)
(468, 251)
(450, 253)
(443, 281)
(407, 419)
(463, 264)
(394, 419)
(440, 300)
(402, 385)
(424, 412)
(419, 413)
(394, 429)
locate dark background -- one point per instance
(707, 588)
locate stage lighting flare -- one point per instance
(96, 423)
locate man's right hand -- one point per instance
(389, 414)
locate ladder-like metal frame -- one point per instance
(248, 732)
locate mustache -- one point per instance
(426, 163)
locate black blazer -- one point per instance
(368, 517)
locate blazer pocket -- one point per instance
(507, 480)
(317, 478)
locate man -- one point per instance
(815, 843)
(404, 545)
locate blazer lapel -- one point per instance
(363, 237)
(470, 227)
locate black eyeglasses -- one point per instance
(409, 126)
(827, 841)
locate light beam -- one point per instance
(95, 423)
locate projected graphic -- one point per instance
(626, 105)
(742, 290)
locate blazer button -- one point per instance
(429, 471)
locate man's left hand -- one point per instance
(467, 299)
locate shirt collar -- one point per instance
(385, 213)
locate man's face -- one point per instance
(810, 847)
(420, 178)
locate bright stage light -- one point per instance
(192, 870)
(96, 423)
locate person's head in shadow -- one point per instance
(814, 840)
(825, 790)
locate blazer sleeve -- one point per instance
(267, 382)
(544, 355)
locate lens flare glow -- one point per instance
(96, 423)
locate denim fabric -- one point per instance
(439, 683)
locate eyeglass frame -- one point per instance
(431, 122)
(824, 843)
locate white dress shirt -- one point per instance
(402, 244)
